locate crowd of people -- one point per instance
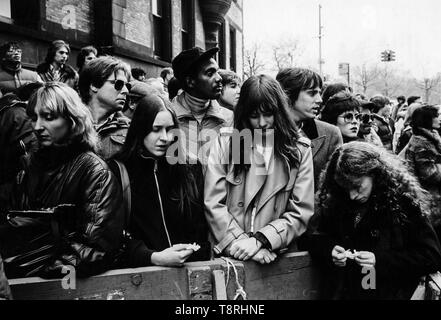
(104, 168)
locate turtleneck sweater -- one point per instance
(198, 107)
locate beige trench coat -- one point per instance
(285, 197)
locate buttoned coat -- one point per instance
(285, 204)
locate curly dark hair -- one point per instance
(395, 188)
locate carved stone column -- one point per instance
(213, 13)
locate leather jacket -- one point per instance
(90, 233)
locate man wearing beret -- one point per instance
(199, 114)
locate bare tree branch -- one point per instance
(253, 61)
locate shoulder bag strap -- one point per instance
(127, 195)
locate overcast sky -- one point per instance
(355, 31)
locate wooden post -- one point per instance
(199, 283)
(219, 288)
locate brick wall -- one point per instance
(56, 11)
(138, 26)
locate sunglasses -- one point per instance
(365, 118)
(119, 84)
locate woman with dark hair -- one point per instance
(66, 209)
(334, 88)
(423, 152)
(86, 55)
(371, 233)
(166, 217)
(259, 182)
(342, 110)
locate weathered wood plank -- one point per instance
(199, 282)
(290, 277)
(219, 288)
(144, 283)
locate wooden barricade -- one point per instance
(291, 276)
(433, 287)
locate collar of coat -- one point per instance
(262, 182)
(116, 121)
(182, 110)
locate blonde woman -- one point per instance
(64, 173)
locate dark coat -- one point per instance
(384, 131)
(89, 233)
(423, 154)
(146, 226)
(67, 73)
(5, 291)
(405, 250)
(15, 127)
(325, 139)
(112, 134)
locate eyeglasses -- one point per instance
(119, 84)
(350, 117)
(365, 118)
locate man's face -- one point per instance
(61, 56)
(89, 57)
(168, 77)
(366, 121)
(111, 98)
(13, 54)
(208, 83)
(307, 105)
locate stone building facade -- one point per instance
(146, 33)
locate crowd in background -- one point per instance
(103, 168)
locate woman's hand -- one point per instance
(339, 256)
(172, 257)
(365, 259)
(264, 256)
(244, 249)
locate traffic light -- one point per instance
(391, 55)
(388, 56)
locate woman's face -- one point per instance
(361, 190)
(348, 124)
(230, 94)
(261, 120)
(161, 136)
(50, 129)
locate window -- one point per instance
(232, 49)
(26, 12)
(162, 29)
(5, 8)
(222, 44)
(187, 24)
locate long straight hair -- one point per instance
(186, 188)
(265, 94)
